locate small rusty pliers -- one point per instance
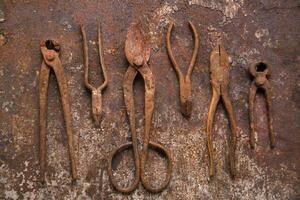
(219, 73)
(185, 89)
(96, 92)
(137, 52)
(261, 71)
(50, 51)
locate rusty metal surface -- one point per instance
(250, 30)
(96, 91)
(220, 80)
(261, 72)
(185, 88)
(137, 51)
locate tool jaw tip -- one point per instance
(186, 109)
(97, 106)
(137, 48)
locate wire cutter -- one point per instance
(50, 50)
(96, 91)
(261, 71)
(184, 81)
(219, 73)
(137, 52)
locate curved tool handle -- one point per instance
(160, 149)
(136, 181)
(86, 61)
(43, 93)
(129, 102)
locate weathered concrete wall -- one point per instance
(251, 30)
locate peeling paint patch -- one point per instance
(11, 194)
(261, 33)
(229, 8)
(159, 20)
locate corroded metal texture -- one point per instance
(96, 91)
(219, 73)
(261, 71)
(251, 31)
(50, 51)
(137, 52)
(185, 87)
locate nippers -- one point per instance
(96, 91)
(51, 62)
(219, 73)
(261, 71)
(184, 81)
(137, 52)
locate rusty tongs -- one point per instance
(184, 81)
(261, 71)
(219, 73)
(50, 51)
(137, 52)
(96, 91)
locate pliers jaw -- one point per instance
(260, 71)
(50, 50)
(185, 96)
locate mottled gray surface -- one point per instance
(251, 30)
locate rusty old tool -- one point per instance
(96, 91)
(50, 51)
(137, 52)
(261, 71)
(219, 73)
(184, 81)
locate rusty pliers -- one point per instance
(185, 88)
(219, 73)
(50, 51)
(137, 53)
(261, 71)
(96, 91)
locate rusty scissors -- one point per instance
(137, 53)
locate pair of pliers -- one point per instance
(185, 88)
(219, 73)
(137, 53)
(260, 72)
(50, 50)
